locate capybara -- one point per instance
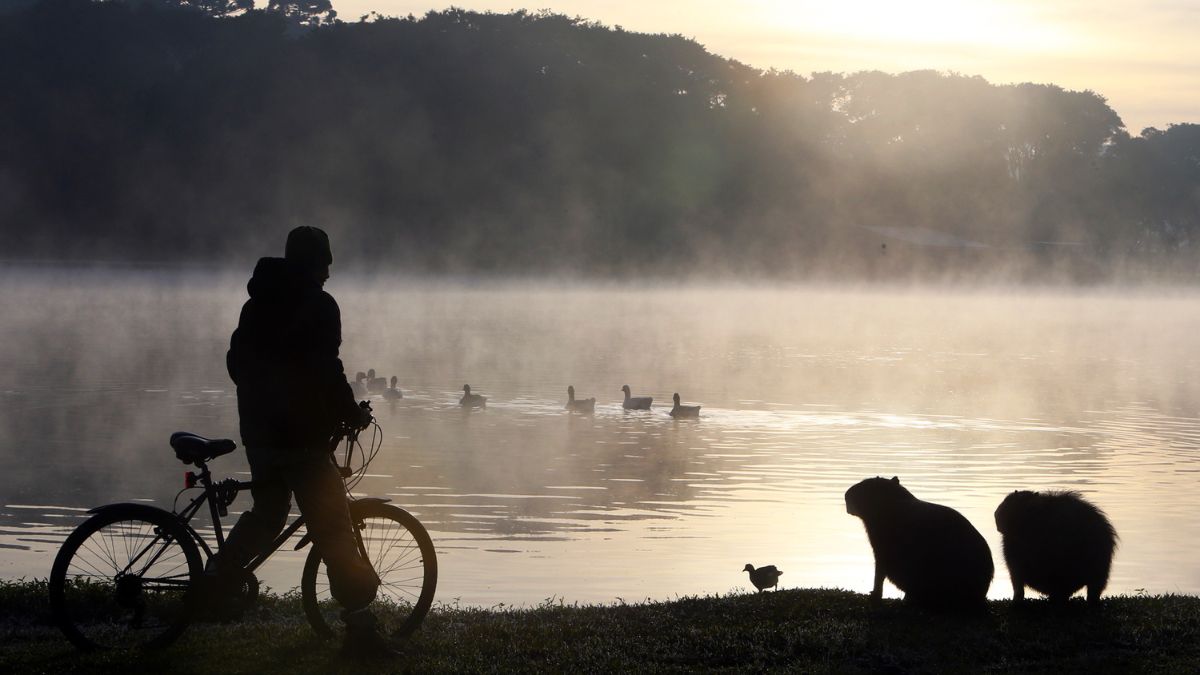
(929, 551)
(1055, 543)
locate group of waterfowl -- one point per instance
(587, 405)
(643, 403)
(366, 383)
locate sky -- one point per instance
(1142, 55)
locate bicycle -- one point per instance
(127, 577)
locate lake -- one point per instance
(964, 395)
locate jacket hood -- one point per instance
(278, 278)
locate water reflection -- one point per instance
(805, 392)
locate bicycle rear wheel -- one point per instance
(402, 554)
(123, 580)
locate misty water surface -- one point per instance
(963, 395)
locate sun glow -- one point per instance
(987, 24)
(1134, 52)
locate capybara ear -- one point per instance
(896, 479)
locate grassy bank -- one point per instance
(798, 630)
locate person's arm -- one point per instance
(236, 356)
(329, 370)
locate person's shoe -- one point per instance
(363, 640)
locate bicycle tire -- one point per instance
(124, 579)
(403, 556)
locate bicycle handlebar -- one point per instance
(347, 431)
(349, 434)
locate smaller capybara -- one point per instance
(929, 551)
(1055, 543)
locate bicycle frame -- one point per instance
(216, 507)
(142, 593)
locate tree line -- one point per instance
(532, 143)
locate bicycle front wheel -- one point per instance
(402, 554)
(124, 578)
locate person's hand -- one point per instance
(365, 415)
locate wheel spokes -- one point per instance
(126, 584)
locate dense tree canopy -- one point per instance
(539, 143)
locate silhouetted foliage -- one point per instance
(535, 142)
(305, 13)
(218, 8)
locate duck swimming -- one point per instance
(392, 392)
(470, 400)
(681, 411)
(635, 402)
(579, 405)
(375, 385)
(357, 385)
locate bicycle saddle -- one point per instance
(190, 448)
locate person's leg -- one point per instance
(222, 584)
(257, 527)
(321, 496)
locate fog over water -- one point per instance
(963, 394)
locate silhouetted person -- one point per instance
(292, 396)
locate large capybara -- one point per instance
(929, 551)
(1055, 543)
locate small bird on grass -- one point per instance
(763, 577)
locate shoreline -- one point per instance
(809, 630)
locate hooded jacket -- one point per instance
(291, 388)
